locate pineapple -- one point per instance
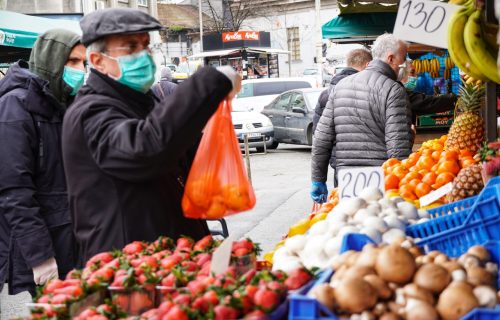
(467, 131)
(468, 183)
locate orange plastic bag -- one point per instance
(217, 185)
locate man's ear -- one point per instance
(95, 60)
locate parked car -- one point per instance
(313, 73)
(171, 66)
(256, 126)
(291, 114)
(257, 93)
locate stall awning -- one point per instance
(20, 30)
(219, 53)
(359, 25)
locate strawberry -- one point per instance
(122, 301)
(240, 252)
(255, 315)
(212, 297)
(201, 304)
(169, 281)
(87, 313)
(73, 291)
(134, 248)
(202, 258)
(248, 276)
(175, 313)
(103, 308)
(99, 259)
(225, 313)
(140, 300)
(189, 266)
(205, 269)
(98, 317)
(52, 285)
(250, 290)
(44, 299)
(204, 243)
(196, 287)
(277, 287)
(224, 282)
(164, 308)
(150, 314)
(72, 282)
(244, 243)
(267, 300)
(182, 299)
(297, 278)
(74, 274)
(60, 298)
(184, 243)
(169, 262)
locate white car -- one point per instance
(255, 94)
(258, 128)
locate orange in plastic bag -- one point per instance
(217, 185)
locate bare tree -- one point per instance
(231, 17)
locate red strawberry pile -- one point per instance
(254, 295)
(177, 275)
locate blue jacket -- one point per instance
(34, 216)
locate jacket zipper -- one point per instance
(40, 145)
(181, 181)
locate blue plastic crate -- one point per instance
(303, 307)
(457, 226)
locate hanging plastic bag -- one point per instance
(218, 184)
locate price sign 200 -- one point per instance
(352, 181)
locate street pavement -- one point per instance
(281, 180)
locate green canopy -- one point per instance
(20, 30)
(359, 25)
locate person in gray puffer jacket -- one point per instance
(367, 117)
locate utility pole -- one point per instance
(201, 25)
(319, 40)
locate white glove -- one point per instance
(232, 75)
(45, 271)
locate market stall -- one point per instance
(248, 52)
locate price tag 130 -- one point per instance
(424, 21)
(353, 180)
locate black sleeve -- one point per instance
(18, 204)
(139, 149)
(320, 106)
(424, 104)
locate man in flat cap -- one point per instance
(126, 154)
(36, 236)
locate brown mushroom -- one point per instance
(358, 271)
(413, 291)
(368, 256)
(432, 277)
(479, 276)
(433, 254)
(481, 252)
(456, 301)
(468, 261)
(351, 259)
(416, 251)
(451, 266)
(380, 286)
(379, 309)
(325, 295)
(395, 264)
(390, 316)
(355, 295)
(440, 259)
(420, 310)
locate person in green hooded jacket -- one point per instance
(36, 236)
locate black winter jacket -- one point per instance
(124, 155)
(367, 119)
(34, 216)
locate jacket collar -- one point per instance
(38, 94)
(140, 103)
(383, 68)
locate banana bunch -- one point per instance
(471, 44)
(435, 67)
(448, 63)
(468, 79)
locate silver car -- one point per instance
(258, 128)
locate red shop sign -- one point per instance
(240, 35)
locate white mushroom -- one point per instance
(371, 194)
(408, 210)
(377, 223)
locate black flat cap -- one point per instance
(106, 22)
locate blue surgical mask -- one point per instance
(137, 70)
(73, 78)
(411, 84)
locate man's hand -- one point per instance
(235, 78)
(45, 271)
(319, 192)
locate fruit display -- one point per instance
(372, 214)
(168, 278)
(468, 183)
(489, 155)
(472, 42)
(398, 281)
(426, 170)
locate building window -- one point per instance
(293, 42)
(142, 3)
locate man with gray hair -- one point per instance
(367, 118)
(165, 87)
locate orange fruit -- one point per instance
(391, 182)
(467, 163)
(410, 176)
(422, 189)
(443, 138)
(407, 192)
(405, 163)
(425, 162)
(450, 155)
(429, 178)
(442, 179)
(400, 171)
(466, 153)
(414, 183)
(390, 163)
(434, 168)
(413, 158)
(427, 152)
(438, 146)
(435, 155)
(448, 166)
(423, 172)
